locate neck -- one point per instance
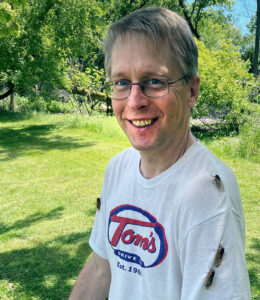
(152, 164)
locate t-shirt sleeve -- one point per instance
(197, 255)
(98, 233)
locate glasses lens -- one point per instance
(121, 89)
(118, 90)
(155, 87)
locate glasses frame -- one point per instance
(143, 88)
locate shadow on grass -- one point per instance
(14, 116)
(37, 217)
(253, 258)
(46, 270)
(17, 141)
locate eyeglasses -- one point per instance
(150, 87)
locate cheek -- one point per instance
(179, 110)
(117, 109)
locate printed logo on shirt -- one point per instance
(136, 236)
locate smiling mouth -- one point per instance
(143, 123)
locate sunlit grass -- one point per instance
(51, 172)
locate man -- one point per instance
(170, 223)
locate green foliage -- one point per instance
(22, 105)
(53, 34)
(215, 26)
(9, 17)
(37, 103)
(55, 45)
(245, 145)
(54, 106)
(78, 79)
(4, 105)
(249, 138)
(225, 85)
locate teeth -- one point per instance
(142, 123)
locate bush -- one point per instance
(54, 106)
(22, 104)
(226, 85)
(37, 103)
(4, 105)
(246, 145)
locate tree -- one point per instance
(216, 26)
(57, 43)
(257, 34)
(225, 85)
(195, 11)
(53, 33)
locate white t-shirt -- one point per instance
(161, 235)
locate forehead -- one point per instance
(137, 55)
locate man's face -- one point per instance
(151, 124)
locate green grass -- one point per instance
(51, 172)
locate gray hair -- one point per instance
(164, 28)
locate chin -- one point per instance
(143, 145)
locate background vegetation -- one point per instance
(57, 133)
(51, 58)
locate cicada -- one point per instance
(209, 278)
(98, 203)
(218, 182)
(219, 256)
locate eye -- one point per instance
(121, 84)
(154, 82)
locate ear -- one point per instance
(194, 91)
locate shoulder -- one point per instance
(205, 167)
(208, 189)
(123, 159)
(122, 163)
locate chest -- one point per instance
(141, 223)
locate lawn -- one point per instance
(51, 172)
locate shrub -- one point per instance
(246, 145)
(37, 103)
(225, 85)
(22, 104)
(54, 106)
(4, 105)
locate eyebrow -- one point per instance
(145, 75)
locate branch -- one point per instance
(124, 10)
(96, 95)
(188, 19)
(9, 92)
(193, 7)
(198, 17)
(143, 4)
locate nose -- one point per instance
(137, 99)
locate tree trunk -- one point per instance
(11, 106)
(257, 34)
